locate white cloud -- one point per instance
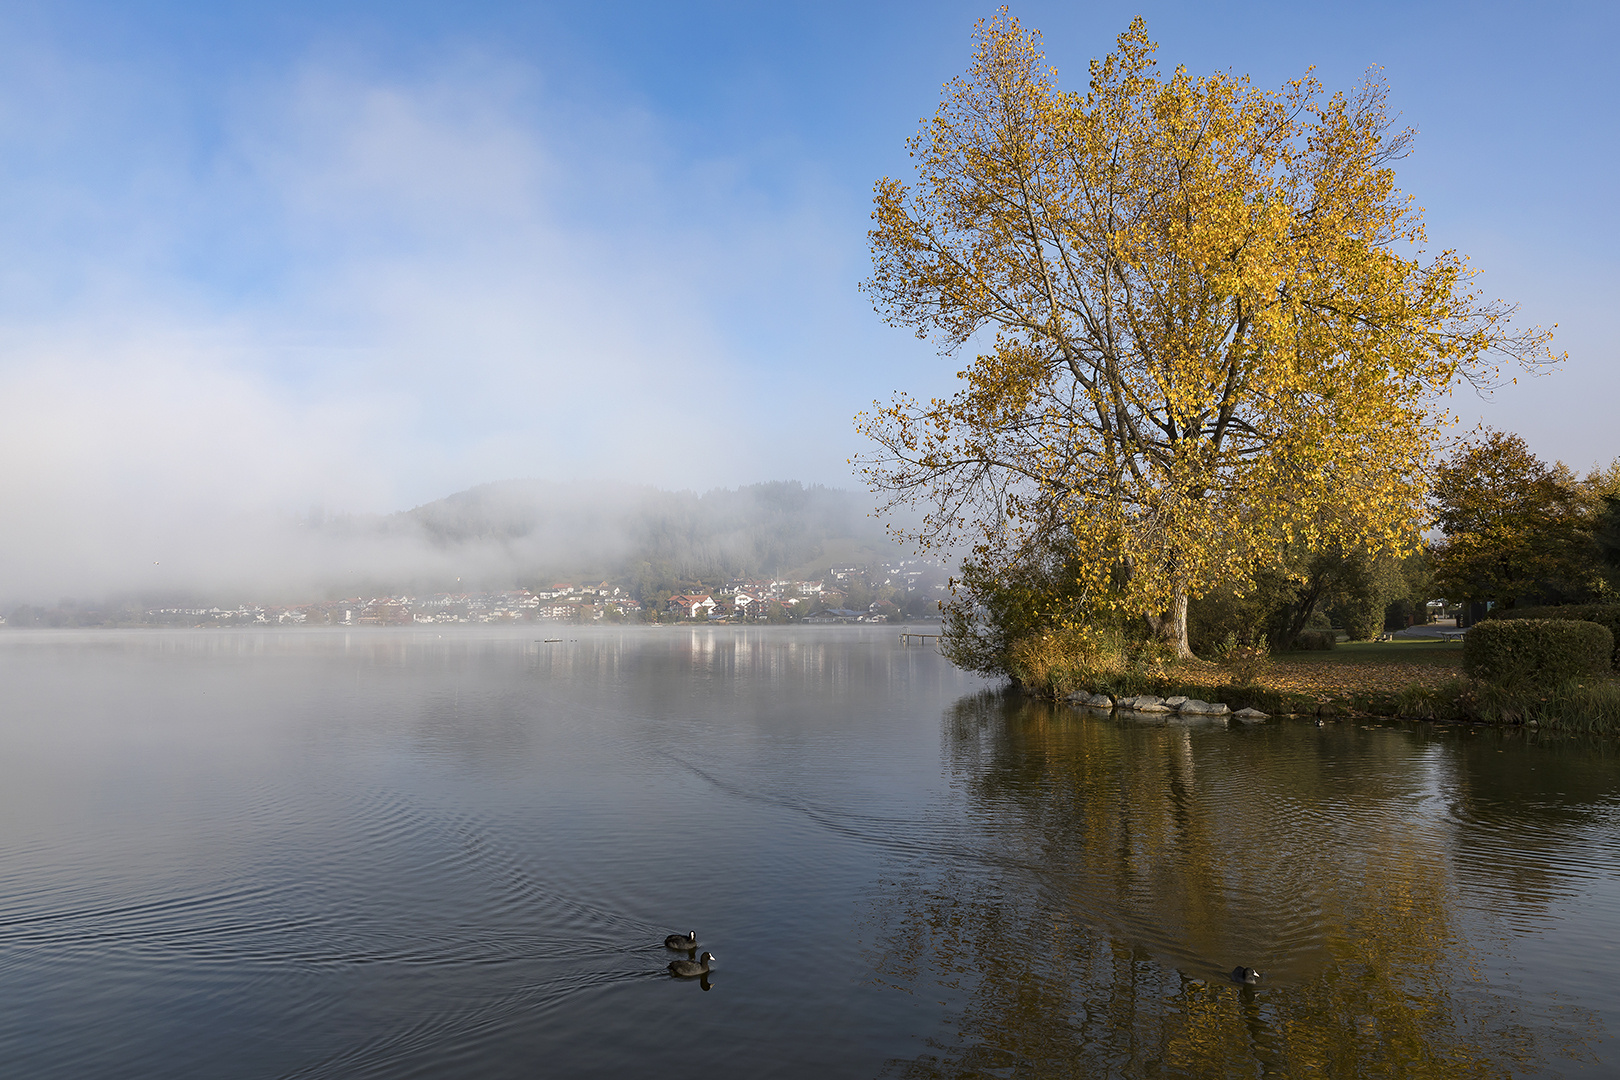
(364, 296)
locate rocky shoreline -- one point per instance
(1180, 706)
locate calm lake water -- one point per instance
(328, 854)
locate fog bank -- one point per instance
(490, 537)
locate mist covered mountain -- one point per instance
(528, 533)
(531, 529)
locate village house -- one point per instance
(836, 615)
(692, 606)
(387, 611)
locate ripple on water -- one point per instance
(402, 858)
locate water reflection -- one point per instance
(1122, 869)
(394, 853)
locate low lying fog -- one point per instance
(228, 356)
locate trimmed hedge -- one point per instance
(1536, 652)
(1603, 614)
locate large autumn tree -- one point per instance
(1209, 331)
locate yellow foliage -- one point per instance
(1215, 331)
(1062, 660)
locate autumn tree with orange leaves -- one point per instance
(1210, 332)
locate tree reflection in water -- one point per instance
(1105, 875)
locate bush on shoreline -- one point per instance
(1524, 653)
(1607, 615)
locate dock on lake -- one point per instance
(908, 636)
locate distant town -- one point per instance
(903, 590)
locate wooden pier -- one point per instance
(906, 637)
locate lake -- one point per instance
(429, 853)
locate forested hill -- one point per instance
(532, 529)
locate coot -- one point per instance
(688, 968)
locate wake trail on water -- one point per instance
(913, 837)
(583, 931)
(473, 847)
(458, 1030)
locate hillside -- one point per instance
(529, 530)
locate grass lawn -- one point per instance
(1359, 666)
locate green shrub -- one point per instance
(1244, 661)
(1315, 640)
(1056, 662)
(1603, 614)
(1536, 652)
(1361, 618)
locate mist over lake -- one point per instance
(407, 852)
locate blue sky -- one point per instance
(259, 258)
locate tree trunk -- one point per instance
(1303, 608)
(1170, 626)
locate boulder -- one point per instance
(1251, 716)
(1195, 707)
(1153, 707)
(1101, 701)
(1176, 702)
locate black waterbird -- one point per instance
(676, 941)
(688, 968)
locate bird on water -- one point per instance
(688, 968)
(1246, 975)
(676, 941)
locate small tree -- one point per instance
(1514, 531)
(1598, 494)
(1211, 323)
